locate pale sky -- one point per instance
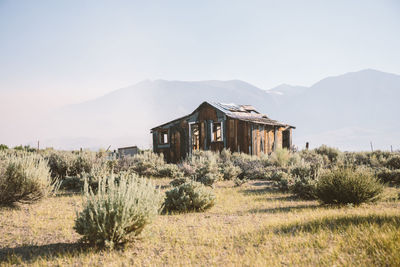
(75, 50)
(54, 53)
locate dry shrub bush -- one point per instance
(348, 186)
(24, 178)
(187, 197)
(118, 211)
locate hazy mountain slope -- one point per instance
(366, 100)
(287, 90)
(346, 111)
(133, 111)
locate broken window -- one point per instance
(216, 132)
(195, 136)
(163, 137)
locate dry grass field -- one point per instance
(251, 225)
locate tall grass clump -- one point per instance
(348, 186)
(187, 197)
(119, 210)
(24, 178)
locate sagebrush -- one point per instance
(190, 196)
(119, 210)
(24, 178)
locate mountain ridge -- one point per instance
(358, 100)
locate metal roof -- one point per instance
(246, 113)
(240, 112)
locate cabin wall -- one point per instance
(237, 136)
(180, 143)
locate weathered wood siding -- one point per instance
(237, 135)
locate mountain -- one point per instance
(125, 116)
(287, 90)
(346, 111)
(366, 100)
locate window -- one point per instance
(195, 136)
(163, 137)
(216, 132)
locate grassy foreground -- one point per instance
(252, 225)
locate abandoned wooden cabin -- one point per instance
(215, 126)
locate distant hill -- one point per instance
(346, 111)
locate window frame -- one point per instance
(162, 134)
(214, 137)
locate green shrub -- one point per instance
(316, 160)
(209, 179)
(178, 181)
(239, 182)
(60, 164)
(118, 211)
(344, 186)
(169, 170)
(230, 171)
(187, 169)
(3, 147)
(252, 167)
(393, 162)
(82, 164)
(389, 176)
(25, 178)
(372, 159)
(332, 153)
(203, 166)
(277, 175)
(147, 163)
(124, 164)
(304, 180)
(72, 183)
(280, 157)
(26, 148)
(304, 187)
(190, 196)
(226, 156)
(283, 179)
